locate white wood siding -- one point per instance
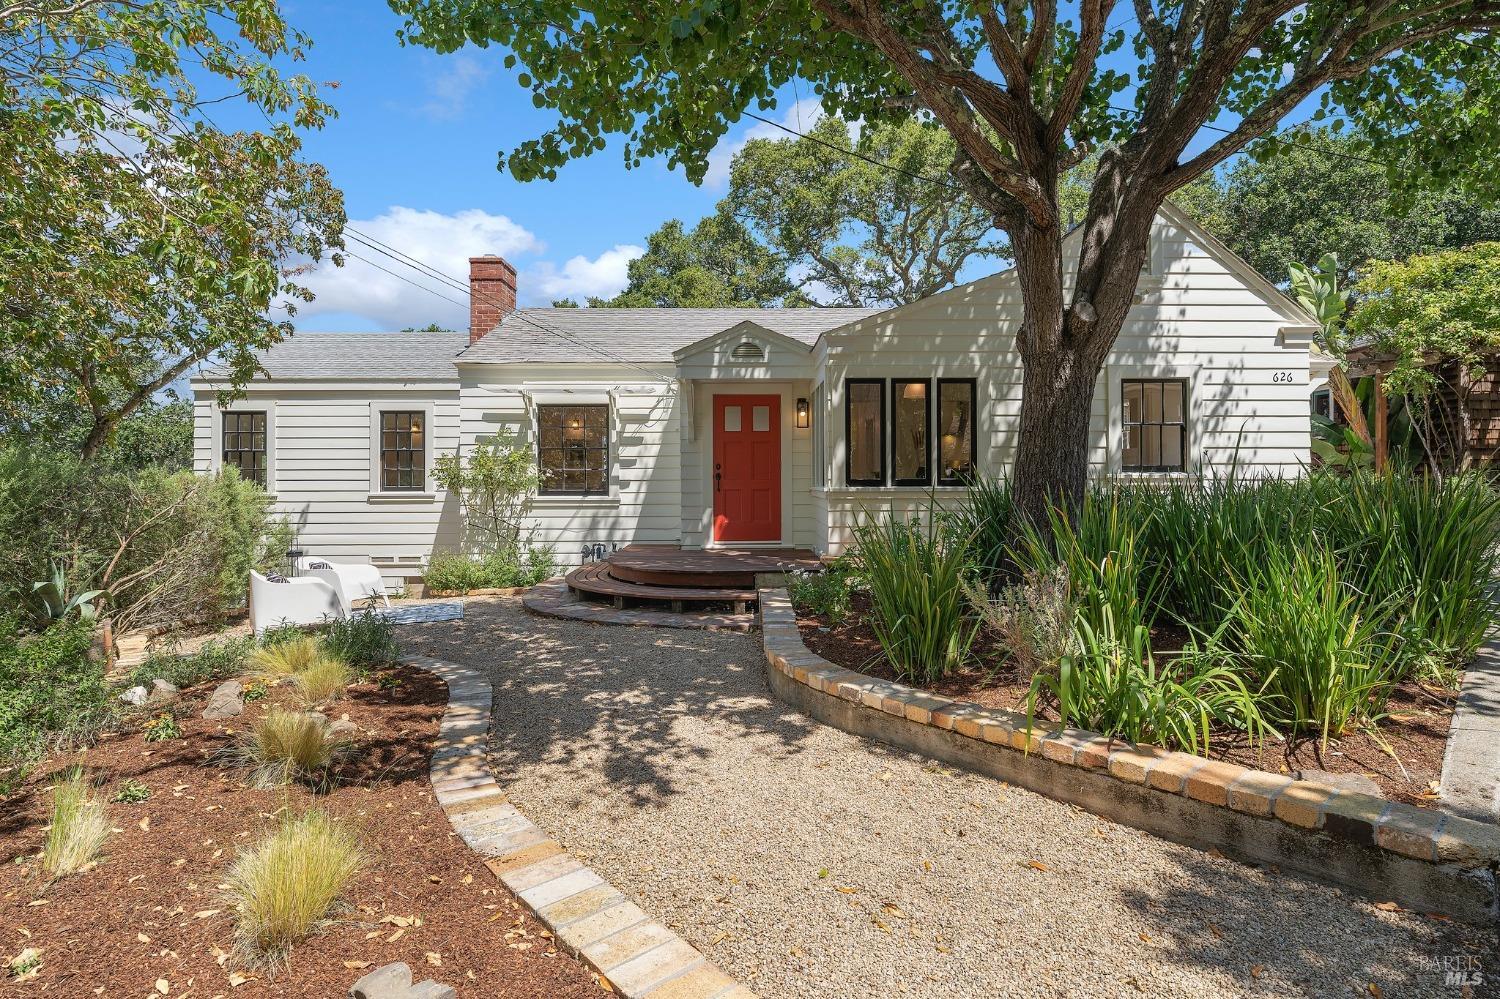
(320, 457)
(644, 502)
(1197, 319)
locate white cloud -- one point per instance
(800, 117)
(450, 89)
(443, 242)
(606, 275)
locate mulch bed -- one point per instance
(1416, 731)
(152, 910)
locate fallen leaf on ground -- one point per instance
(434, 958)
(1037, 865)
(1256, 970)
(1216, 931)
(163, 986)
(357, 965)
(1387, 906)
(848, 891)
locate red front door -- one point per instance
(747, 468)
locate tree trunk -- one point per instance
(1051, 469)
(1065, 337)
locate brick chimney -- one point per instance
(492, 293)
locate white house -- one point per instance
(741, 427)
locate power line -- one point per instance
(448, 280)
(855, 153)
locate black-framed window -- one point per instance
(864, 431)
(911, 431)
(1154, 422)
(573, 450)
(403, 451)
(957, 440)
(244, 445)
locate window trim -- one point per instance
(609, 438)
(216, 449)
(926, 479)
(415, 415)
(427, 409)
(265, 449)
(937, 445)
(849, 383)
(1185, 424)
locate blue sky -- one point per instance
(414, 150)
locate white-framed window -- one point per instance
(401, 449)
(244, 440)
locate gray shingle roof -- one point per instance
(378, 356)
(602, 335)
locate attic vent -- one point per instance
(747, 351)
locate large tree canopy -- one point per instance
(1291, 203)
(864, 235)
(716, 264)
(139, 238)
(1026, 89)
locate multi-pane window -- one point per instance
(927, 431)
(864, 432)
(403, 451)
(956, 441)
(245, 445)
(911, 431)
(1155, 425)
(573, 450)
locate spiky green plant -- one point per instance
(285, 746)
(915, 572)
(1113, 683)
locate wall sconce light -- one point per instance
(574, 430)
(804, 414)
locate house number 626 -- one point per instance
(1282, 377)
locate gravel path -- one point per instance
(809, 862)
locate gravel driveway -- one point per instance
(808, 862)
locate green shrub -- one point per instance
(51, 691)
(162, 728)
(168, 548)
(216, 659)
(915, 574)
(827, 593)
(1033, 619)
(1324, 664)
(1113, 684)
(984, 518)
(456, 572)
(363, 641)
(1103, 557)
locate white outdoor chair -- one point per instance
(352, 581)
(303, 600)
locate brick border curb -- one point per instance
(1426, 858)
(588, 917)
(551, 598)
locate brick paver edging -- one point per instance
(1424, 858)
(588, 917)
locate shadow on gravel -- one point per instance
(611, 694)
(1215, 914)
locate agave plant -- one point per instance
(49, 600)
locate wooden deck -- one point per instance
(660, 575)
(668, 565)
